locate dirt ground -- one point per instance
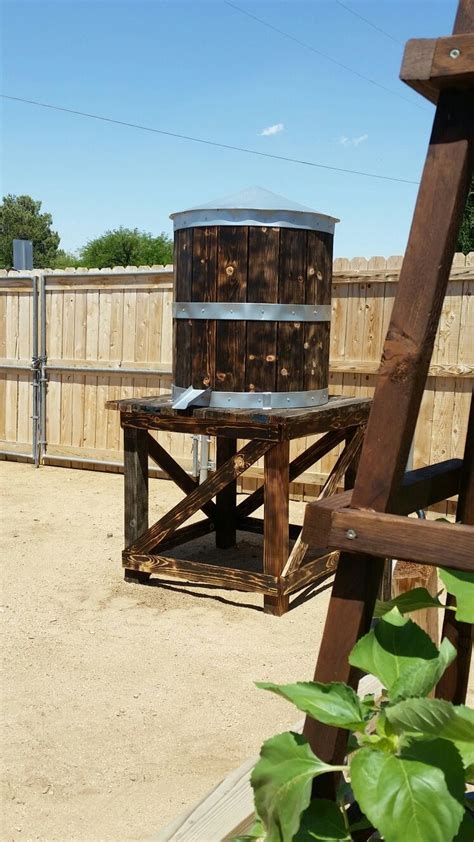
(123, 704)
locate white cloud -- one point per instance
(353, 141)
(276, 129)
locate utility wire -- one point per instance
(244, 149)
(320, 53)
(369, 22)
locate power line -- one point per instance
(244, 149)
(369, 22)
(320, 53)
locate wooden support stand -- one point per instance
(268, 435)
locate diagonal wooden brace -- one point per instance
(229, 471)
(176, 472)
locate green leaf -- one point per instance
(413, 600)
(444, 756)
(401, 655)
(324, 822)
(334, 704)
(432, 717)
(461, 584)
(282, 780)
(404, 798)
(419, 679)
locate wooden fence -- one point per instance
(109, 335)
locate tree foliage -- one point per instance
(465, 241)
(127, 247)
(21, 219)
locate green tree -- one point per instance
(65, 260)
(465, 241)
(21, 219)
(127, 247)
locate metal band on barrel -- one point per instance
(246, 311)
(257, 400)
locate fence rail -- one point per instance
(71, 340)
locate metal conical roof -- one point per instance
(254, 206)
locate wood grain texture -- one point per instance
(318, 291)
(136, 492)
(203, 334)
(407, 576)
(428, 66)
(175, 472)
(225, 517)
(195, 571)
(262, 287)
(229, 471)
(232, 268)
(182, 338)
(276, 513)
(291, 290)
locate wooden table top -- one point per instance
(158, 413)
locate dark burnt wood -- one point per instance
(232, 267)
(226, 499)
(401, 381)
(262, 287)
(300, 464)
(318, 291)
(203, 289)
(266, 431)
(276, 502)
(228, 472)
(292, 290)
(135, 444)
(182, 328)
(175, 472)
(339, 413)
(207, 574)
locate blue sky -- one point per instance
(200, 67)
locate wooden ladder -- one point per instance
(369, 524)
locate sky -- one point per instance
(206, 69)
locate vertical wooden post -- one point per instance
(136, 492)
(276, 518)
(227, 498)
(454, 682)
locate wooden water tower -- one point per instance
(253, 302)
(250, 364)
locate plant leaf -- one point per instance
(334, 704)
(432, 717)
(282, 780)
(322, 821)
(413, 600)
(461, 584)
(401, 655)
(404, 796)
(444, 756)
(419, 679)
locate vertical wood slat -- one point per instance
(291, 290)
(318, 291)
(262, 287)
(203, 331)
(232, 267)
(182, 339)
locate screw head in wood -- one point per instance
(455, 53)
(351, 534)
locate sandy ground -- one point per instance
(123, 704)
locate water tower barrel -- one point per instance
(252, 302)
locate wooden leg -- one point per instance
(136, 492)
(226, 500)
(276, 518)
